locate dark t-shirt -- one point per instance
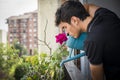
(103, 42)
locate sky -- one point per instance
(14, 8)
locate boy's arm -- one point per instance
(97, 72)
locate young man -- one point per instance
(103, 41)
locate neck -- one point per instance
(84, 24)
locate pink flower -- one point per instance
(60, 38)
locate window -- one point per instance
(35, 30)
(30, 35)
(15, 24)
(30, 25)
(10, 40)
(25, 20)
(11, 35)
(24, 31)
(30, 19)
(30, 40)
(24, 25)
(14, 30)
(35, 35)
(15, 35)
(30, 30)
(15, 21)
(12, 22)
(35, 24)
(24, 36)
(24, 40)
(30, 45)
(34, 19)
(35, 41)
(35, 45)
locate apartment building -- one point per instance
(24, 28)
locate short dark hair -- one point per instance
(69, 9)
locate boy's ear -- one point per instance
(74, 20)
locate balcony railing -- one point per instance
(79, 71)
(72, 72)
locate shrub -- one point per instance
(44, 66)
(21, 70)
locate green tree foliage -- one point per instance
(8, 57)
(45, 66)
(21, 70)
(18, 46)
(1, 55)
(35, 51)
(36, 67)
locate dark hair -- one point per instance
(69, 9)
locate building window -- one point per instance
(14, 30)
(30, 19)
(15, 35)
(24, 25)
(15, 21)
(10, 25)
(10, 40)
(24, 40)
(35, 45)
(30, 45)
(11, 35)
(30, 25)
(30, 30)
(35, 24)
(35, 35)
(30, 40)
(35, 30)
(30, 35)
(24, 31)
(15, 24)
(12, 22)
(35, 41)
(34, 19)
(24, 36)
(25, 20)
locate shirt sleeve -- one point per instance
(94, 51)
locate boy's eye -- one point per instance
(63, 29)
(67, 34)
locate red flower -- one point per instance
(60, 38)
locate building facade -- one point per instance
(46, 18)
(24, 28)
(3, 36)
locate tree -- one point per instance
(8, 57)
